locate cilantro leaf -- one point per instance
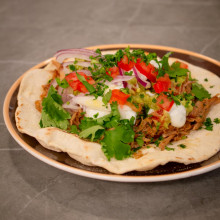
(107, 97)
(63, 84)
(73, 129)
(115, 143)
(140, 140)
(165, 63)
(53, 114)
(87, 122)
(200, 92)
(82, 79)
(175, 70)
(90, 132)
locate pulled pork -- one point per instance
(194, 121)
(76, 117)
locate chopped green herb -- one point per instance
(157, 142)
(128, 73)
(141, 96)
(176, 100)
(182, 145)
(208, 124)
(211, 87)
(169, 148)
(82, 79)
(158, 125)
(96, 115)
(98, 51)
(206, 80)
(217, 120)
(161, 102)
(184, 137)
(63, 84)
(125, 90)
(67, 102)
(154, 100)
(72, 67)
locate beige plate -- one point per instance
(62, 161)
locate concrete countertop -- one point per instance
(32, 31)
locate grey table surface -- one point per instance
(32, 31)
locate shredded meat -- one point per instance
(200, 111)
(194, 121)
(76, 117)
(185, 87)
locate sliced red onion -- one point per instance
(121, 71)
(143, 81)
(83, 54)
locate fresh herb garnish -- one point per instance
(63, 84)
(182, 146)
(90, 132)
(169, 148)
(217, 120)
(125, 90)
(53, 114)
(140, 140)
(72, 68)
(154, 100)
(82, 79)
(200, 92)
(141, 96)
(128, 73)
(208, 124)
(73, 129)
(107, 97)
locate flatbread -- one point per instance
(201, 144)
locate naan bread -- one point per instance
(201, 144)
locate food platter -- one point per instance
(62, 161)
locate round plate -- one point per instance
(62, 161)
